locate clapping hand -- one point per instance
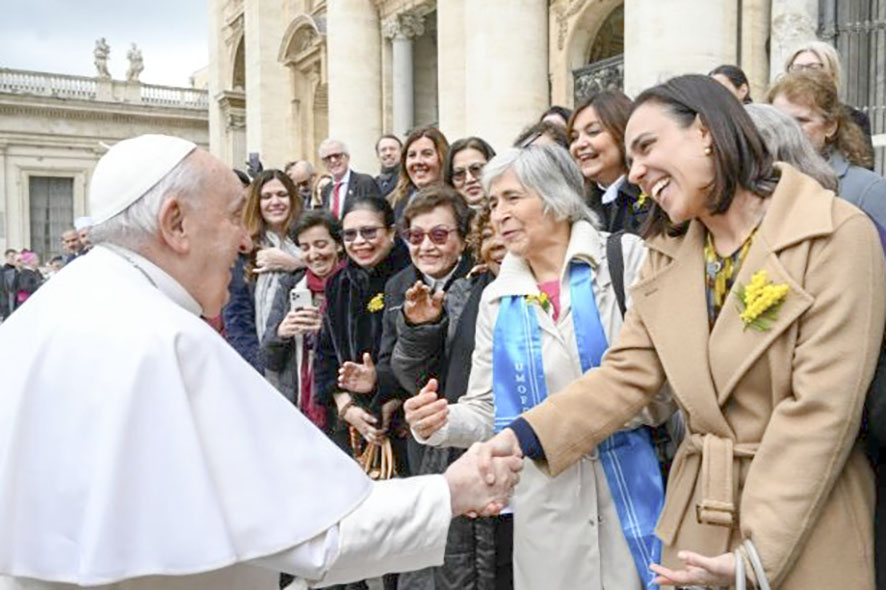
(473, 495)
(275, 260)
(425, 413)
(421, 306)
(698, 571)
(358, 377)
(300, 321)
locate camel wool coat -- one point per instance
(771, 452)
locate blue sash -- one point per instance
(518, 384)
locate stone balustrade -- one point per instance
(25, 82)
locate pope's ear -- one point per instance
(171, 225)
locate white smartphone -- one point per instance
(299, 298)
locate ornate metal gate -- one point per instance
(602, 75)
(857, 28)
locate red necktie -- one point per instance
(335, 204)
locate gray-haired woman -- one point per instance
(786, 142)
(546, 319)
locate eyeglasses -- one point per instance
(809, 66)
(367, 233)
(335, 156)
(459, 175)
(439, 235)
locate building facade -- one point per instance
(284, 74)
(53, 130)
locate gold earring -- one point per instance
(708, 151)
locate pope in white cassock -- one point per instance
(139, 451)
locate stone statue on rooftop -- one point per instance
(101, 52)
(136, 64)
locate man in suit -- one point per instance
(303, 176)
(388, 149)
(346, 183)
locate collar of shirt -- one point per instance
(160, 279)
(438, 284)
(343, 182)
(610, 193)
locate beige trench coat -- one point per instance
(566, 529)
(773, 416)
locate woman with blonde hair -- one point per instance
(421, 163)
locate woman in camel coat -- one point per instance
(771, 466)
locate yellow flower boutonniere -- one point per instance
(640, 203)
(759, 301)
(542, 299)
(377, 303)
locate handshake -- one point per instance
(482, 480)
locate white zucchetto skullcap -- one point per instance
(83, 223)
(130, 169)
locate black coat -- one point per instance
(623, 213)
(349, 328)
(387, 181)
(359, 185)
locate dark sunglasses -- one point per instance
(367, 233)
(459, 174)
(439, 235)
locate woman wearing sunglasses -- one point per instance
(463, 168)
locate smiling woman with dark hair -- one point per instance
(764, 315)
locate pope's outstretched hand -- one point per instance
(471, 493)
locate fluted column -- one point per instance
(507, 68)
(401, 30)
(451, 67)
(793, 22)
(665, 39)
(354, 60)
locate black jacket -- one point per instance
(349, 327)
(395, 294)
(239, 316)
(387, 180)
(623, 213)
(359, 185)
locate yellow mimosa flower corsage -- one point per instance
(377, 303)
(542, 299)
(759, 301)
(640, 203)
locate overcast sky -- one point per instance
(59, 36)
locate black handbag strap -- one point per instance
(615, 257)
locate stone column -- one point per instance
(451, 67)
(506, 68)
(268, 112)
(665, 39)
(354, 59)
(794, 22)
(401, 29)
(754, 55)
(219, 58)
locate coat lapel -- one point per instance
(799, 211)
(732, 348)
(674, 310)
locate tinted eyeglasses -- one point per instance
(438, 235)
(367, 233)
(335, 156)
(459, 175)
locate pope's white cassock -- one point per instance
(139, 451)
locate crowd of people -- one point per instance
(368, 290)
(673, 306)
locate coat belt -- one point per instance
(710, 458)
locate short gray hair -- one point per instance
(786, 142)
(137, 224)
(329, 141)
(549, 171)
